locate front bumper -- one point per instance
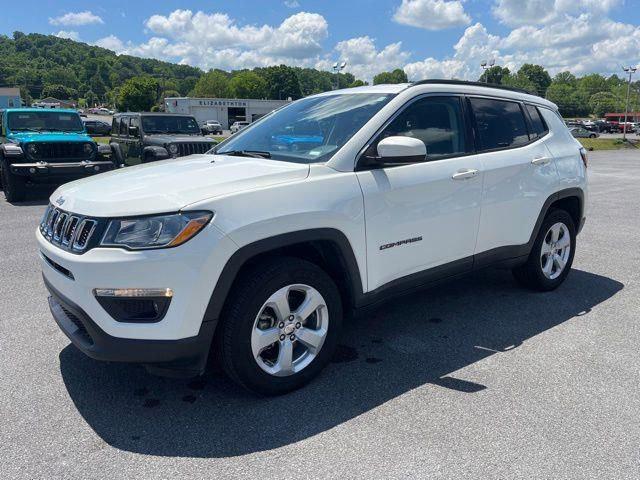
(185, 357)
(62, 169)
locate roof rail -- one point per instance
(474, 84)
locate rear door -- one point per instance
(519, 174)
(422, 218)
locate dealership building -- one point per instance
(224, 110)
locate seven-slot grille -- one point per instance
(67, 230)
(60, 151)
(193, 148)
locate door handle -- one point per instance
(464, 174)
(541, 161)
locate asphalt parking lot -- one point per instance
(476, 379)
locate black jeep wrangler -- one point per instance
(148, 137)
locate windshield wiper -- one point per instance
(246, 153)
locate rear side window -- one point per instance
(437, 121)
(115, 125)
(500, 123)
(538, 127)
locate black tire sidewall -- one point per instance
(12, 185)
(555, 216)
(238, 342)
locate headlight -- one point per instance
(173, 148)
(88, 148)
(32, 149)
(157, 231)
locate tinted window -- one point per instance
(114, 126)
(124, 123)
(500, 123)
(169, 124)
(538, 127)
(437, 121)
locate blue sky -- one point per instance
(427, 38)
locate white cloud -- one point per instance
(364, 60)
(291, 3)
(76, 18)
(204, 39)
(72, 35)
(537, 12)
(112, 43)
(432, 14)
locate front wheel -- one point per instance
(14, 186)
(552, 254)
(280, 326)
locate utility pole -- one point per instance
(338, 68)
(630, 70)
(486, 66)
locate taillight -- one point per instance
(583, 155)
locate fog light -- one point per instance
(133, 292)
(135, 305)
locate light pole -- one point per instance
(630, 70)
(486, 66)
(338, 68)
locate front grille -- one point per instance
(193, 148)
(60, 151)
(68, 231)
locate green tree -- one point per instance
(214, 83)
(603, 102)
(396, 76)
(520, 81)
(565, 78)
(138, 94)
(592, 84)
(248, 84)
(282, 82)
(357, 83)
(60, 92)
(537, 75)
(494, 75)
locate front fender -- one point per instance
(155, 152)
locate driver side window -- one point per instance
(437, 121)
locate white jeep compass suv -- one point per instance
(256, 250)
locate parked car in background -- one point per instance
(237, 126)
(581, 132)
(211, 127)
(147, 137)
(254, 253)
(45, 147)
(97, 127)
(604, 127)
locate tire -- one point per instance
(247, 308)
(533, 274)
(592, 136)
(13, 186)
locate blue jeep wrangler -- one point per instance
(46, 147)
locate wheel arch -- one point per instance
(569, 199)
(327, 247)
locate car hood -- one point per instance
(170, 185)
(163, 139)
(30, 137)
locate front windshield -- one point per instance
(169, 124)
(44, 121)
(309, 130)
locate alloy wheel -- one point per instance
(555, 251)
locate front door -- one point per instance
(423, 216)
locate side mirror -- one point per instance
(401, 150)
(133, 131)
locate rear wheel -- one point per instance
(552, 254)
(14, 186)
(281, 326)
